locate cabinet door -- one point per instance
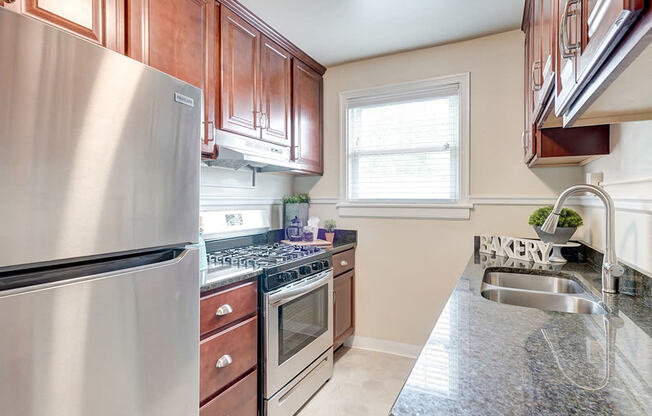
(307, 144)
(527, 137)
(547, 67)
(239, 62)
(275, 86)
(603, 22)
(536, 39)
(568, 45)
(98, 21)
(343, 310)
(178, 38)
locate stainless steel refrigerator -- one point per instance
(99, 194)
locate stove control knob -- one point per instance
(325, 264)
(305, 270)
(316, 266)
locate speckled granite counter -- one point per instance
(338, 248)
(209, 281)
(487, 358)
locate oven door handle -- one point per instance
(284, 296)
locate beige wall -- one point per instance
(406, 268)
(630, 159)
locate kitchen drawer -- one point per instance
(343, 261)
(232, 304)
(239, 343)
(238, 400)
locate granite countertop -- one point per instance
(211, 280)
(488, 358)
(338, 248)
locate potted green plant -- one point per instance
(296, 206)
(329, 227)
(569, 220)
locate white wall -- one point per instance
(628, 178)
(406, 268)
(223, 189)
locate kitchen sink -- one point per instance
(541, 300)
(540, 283)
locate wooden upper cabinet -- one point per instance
(239, 53)
(588, 31)
(178, 38)
(275, 92)
(99, 21)
(548, 17)
(307, 140)
(528, 134)
(603, 23)
(568, 45)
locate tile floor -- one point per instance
(364, 383)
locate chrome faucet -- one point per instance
(610, 267)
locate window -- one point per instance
(407, 145)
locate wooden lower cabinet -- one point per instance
(343, 313)
(228, 351)
(343, 296)
(241, 399)
(227, 306)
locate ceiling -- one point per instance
(337, 31)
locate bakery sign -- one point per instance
(517, 248)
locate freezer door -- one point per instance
(116, 344)
(98, 153)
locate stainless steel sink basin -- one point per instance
(541, 300)
(539, 283)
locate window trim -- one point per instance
(445, 209)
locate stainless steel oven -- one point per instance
(298, 341)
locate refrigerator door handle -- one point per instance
(57, 276)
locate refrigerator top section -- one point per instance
(100, 153)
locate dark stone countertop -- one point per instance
(488, 358)
(212, 280)
(338, 248)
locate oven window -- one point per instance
(301, 321)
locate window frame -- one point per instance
(422, 208)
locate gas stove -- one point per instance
(279, 264)
(260, 256)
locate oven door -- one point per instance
(298, 328)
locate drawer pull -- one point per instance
(224, 310)
(224, 361)
(344, 263)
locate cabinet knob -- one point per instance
(224, 310)
(344, 263)
(224, 361)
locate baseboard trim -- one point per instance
(381, 345)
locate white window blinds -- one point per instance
(404, 146)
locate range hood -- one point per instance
(235, 152)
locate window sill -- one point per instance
(458, 211)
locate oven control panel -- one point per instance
(278, 278)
